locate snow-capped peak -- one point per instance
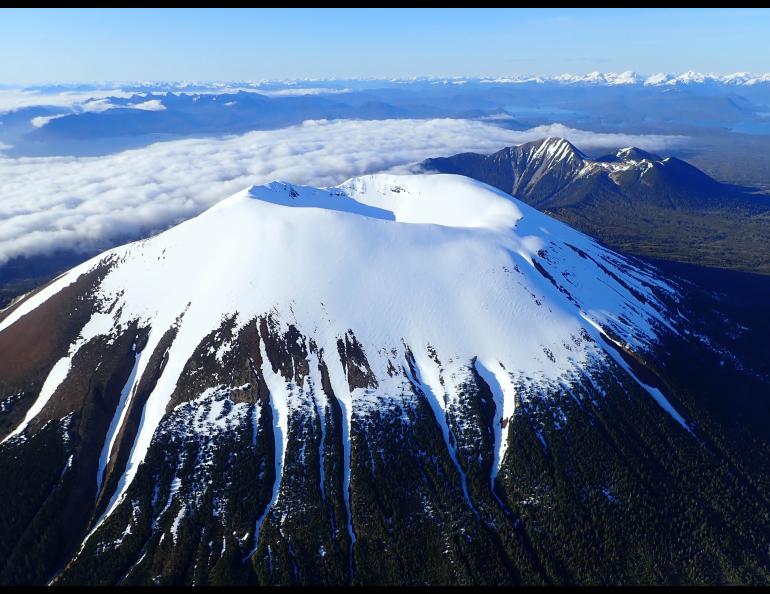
(691, 77)
(450, 201)
(631, 78)
(554, 149)
(634, 154)
(418, 268)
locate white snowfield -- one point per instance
(432, 263)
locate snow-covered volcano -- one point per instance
(292, 316)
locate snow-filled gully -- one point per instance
(427, 379)
(278, 392)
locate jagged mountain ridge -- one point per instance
(552, 173)
(274, 391)
(632, 200)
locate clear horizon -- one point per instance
(280, 44)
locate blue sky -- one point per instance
(49, 45)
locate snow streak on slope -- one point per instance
(100, 324)
(279, 397)
(117, 419)
(656, 394)
(399, 261)
(320, 406)
(340, 387)
(504, 398)
(429, 382)
(56, 376)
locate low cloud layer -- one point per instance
(89, 203)
(13, 99)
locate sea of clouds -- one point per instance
(89, 203)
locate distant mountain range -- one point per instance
(630, 77)
(78, 120)
(632, 200)
(627, 77)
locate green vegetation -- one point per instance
(736, 240)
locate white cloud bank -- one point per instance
(99, 106)
(41, 121)
(89, 203)
(13, 99)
